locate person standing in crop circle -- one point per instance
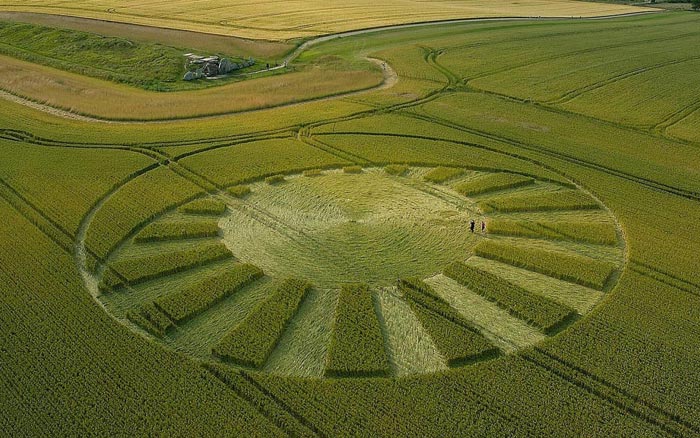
(483, 227)
(471, 225)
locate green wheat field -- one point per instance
(477, 227)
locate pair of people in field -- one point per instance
(472, 225)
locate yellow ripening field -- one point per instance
(105, 100)
(281, 20)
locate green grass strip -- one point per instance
(456, 339)
(205, 206)
(142, 269)
(442, 174)
(588, 232)
(252, 341)
(537, 310)
(492, 183)
(357, 344)
(568, 267)
(199, 297)
(561, 200)
(159, 231)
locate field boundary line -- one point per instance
(4, 94)
(387, 72)
(300, 418)
(430, 57)
(209, 140)
(20, 136)
(462, 143)
(152, 149)
(389, 79)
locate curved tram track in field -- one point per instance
(91, 279)
(390, 77)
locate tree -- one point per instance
(696, 5)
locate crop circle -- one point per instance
(347, 228)
(280, 274)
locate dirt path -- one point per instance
(390, 78)
(46, 108)
(389, 74)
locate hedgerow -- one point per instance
(537, 310)
(492, 183)
(456, 339)
(357, 344)
(569, 267)
(251, 342)
(188, 302)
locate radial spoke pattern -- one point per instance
(366, 271)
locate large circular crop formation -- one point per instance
(364, 272)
